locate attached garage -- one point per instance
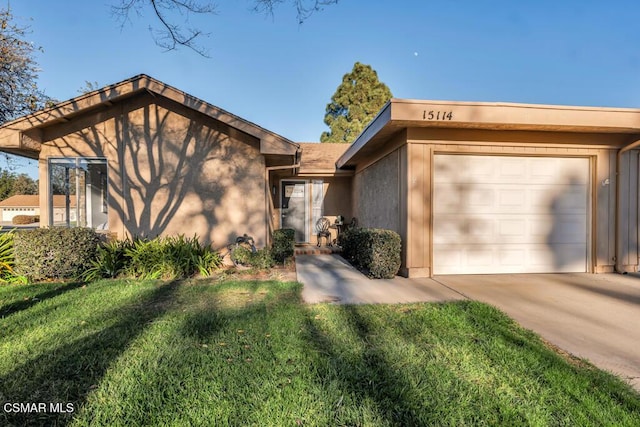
(489, 188)
(506, 214)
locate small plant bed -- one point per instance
(245, 352)
(285, 273)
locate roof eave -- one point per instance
(399, 114)
(377, 124)
(325, 172)
(11, 132)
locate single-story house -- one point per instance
(470, 187)
(29, 204)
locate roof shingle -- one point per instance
(33, 201)
(320, 157)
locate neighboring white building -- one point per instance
(23, 204)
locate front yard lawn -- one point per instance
(207, 352)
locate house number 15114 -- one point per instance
(437, 115)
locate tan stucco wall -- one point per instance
(400, 183)
(376, 193)
(171, 170)
(337, 197)
(627, 214)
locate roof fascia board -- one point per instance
(377, 124)
(495, 116)
(62, 110)
(515, 116)
(270, 142)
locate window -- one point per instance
(78, 192)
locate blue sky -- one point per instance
(281, 75)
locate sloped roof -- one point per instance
(20, 136)
(320, 158)
(33, 201)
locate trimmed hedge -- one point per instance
(261, 259)
(374, 251)
(25, 219)
(283, 244)
(54, 253)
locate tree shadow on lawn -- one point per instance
(69, 373)
(365, 376)
(364, 372)
(23, 304)
(548, 364)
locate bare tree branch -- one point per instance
(171, 35)
(304, 8)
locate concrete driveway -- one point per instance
(592, 316)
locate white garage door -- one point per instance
(9, 213)
(499, 214)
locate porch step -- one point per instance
(314, 250)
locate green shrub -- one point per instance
(169, 257)
(208, 261)
(6, 256)
(54, 253)
(25, 219)
(283, 244)
(7, 260)
(110, 261)
(241, 255)
(374, 251)
(262, 259)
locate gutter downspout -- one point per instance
(295, 165)
(617, 228)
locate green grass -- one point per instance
(250, 353)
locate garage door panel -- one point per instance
(456, 228)
(552, 170)
(449, 258)
(511, 168)
(573, 199)
(568, 229)
(460, 198)
(514, 228)
(509, 198)
(499, 214)
(516, 170)
(508, 259)
(495, 229)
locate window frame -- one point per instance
(76, 162)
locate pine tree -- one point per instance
(354, 104)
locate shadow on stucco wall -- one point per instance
(172, 170)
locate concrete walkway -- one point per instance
(329, 278)
(592, 316)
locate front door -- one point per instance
(294, 208)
